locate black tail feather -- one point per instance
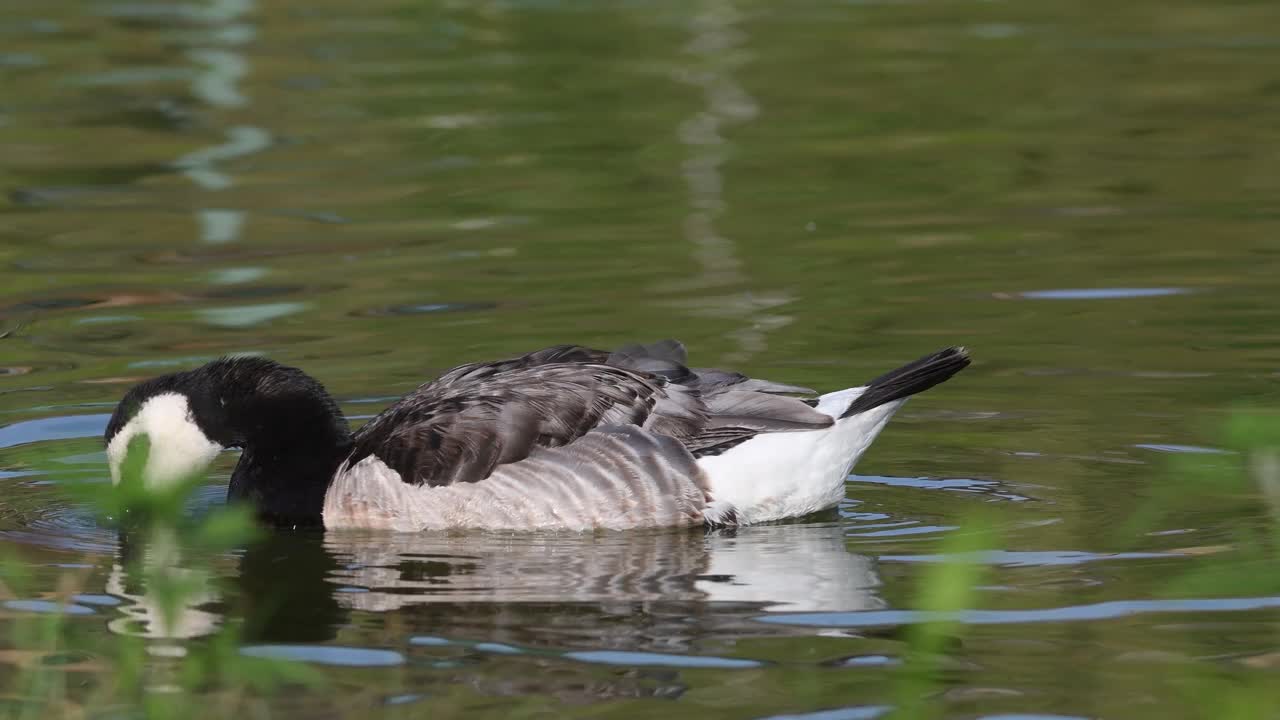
(910, 379)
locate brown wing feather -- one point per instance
(476, 417)
(460, 427)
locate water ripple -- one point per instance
(634, 659)
(53, 428)
(1009, 558)
(199, 165)
(48, 606)
(863, 712)
(1073, 613)
(1101, 293)
(989, 487)
(326, 655)
(599, 657)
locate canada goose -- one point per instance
(562, 438)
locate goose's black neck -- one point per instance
(292, 433)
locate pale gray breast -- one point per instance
(616, 477)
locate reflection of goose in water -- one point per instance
(661, 591)
(773, 567)
(143, 612)
(286, 575)
(622, 590)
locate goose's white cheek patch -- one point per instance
(178, 448)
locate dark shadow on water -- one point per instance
(284, 589)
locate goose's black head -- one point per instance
(287, 424)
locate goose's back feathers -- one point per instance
(479, 417)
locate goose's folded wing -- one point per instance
(474, 419)
(735, 416)
(478, 417)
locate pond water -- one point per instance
(1084, 193)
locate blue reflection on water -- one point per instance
(326, 655)
(1073, 613)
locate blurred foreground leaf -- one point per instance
(945, 589)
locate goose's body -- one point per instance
(563, 438)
